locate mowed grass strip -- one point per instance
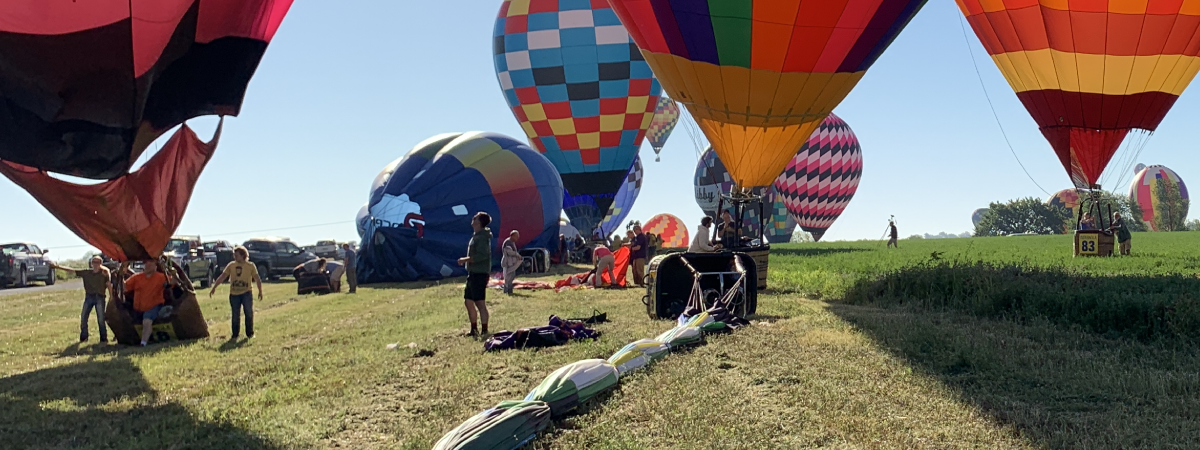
(809, 374)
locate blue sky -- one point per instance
(347, 87)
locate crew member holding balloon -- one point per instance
(478, 263)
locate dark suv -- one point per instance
(276, 257)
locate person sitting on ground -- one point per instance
(605, 261)
(700, 243)
(145, 290)
(97, 282)
(1088, 222)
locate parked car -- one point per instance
(22, 263)
(326, 249)
(276, 257)
(188, 252)
(223, 251)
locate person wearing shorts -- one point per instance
(478, 263)
(241, 273)
(146, 290)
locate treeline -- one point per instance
(1034, 216)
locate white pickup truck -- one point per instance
(326, 249)
(22, 263)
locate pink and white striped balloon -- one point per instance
(822, 178)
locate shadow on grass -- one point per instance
(1058, 388)
(86, 405)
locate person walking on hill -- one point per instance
(351, 267)
(478, 263)
(639, 249)
(895, 235)
(1123, 236)
(511, 260)
(97, 283)
(240, 273)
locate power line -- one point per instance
(967, 40)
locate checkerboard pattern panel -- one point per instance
(575, 81)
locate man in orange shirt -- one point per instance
(146, 290)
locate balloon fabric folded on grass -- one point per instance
(558, 332)
(638, 354)
(573, 384)
(507, 426)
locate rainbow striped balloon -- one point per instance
(823, 176)
(1145, 190)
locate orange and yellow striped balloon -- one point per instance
(1089, 71)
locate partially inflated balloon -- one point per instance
(362, 221)
(581, 91)
(623, 202)
(1069, 199)
(760, 76)
(711, 180)
(670, 229)
(666, 116)
(781, 225)
(423, 203)
(1090, 71)
(822, 177)
(1146, 190)
(977, 215)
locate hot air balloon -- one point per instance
(1089, 72)
(88, 86)
(362, 221)
(623, 202)
(666, 116)
(421, 205)
(711, 180)
(581, 91)
(1145, 189)
(759, 77)
(977, 215)
(822, 177)
(1138, 168)
(1069, 199)
(781, 225)
(670, 229)
(567, 230)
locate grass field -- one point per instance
(966, 343)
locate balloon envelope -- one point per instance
(1089, 72)
(362, 221)
(1069, 199)
(666, 116)
(623, 202)
(581, 91)
(822, 177)
(712, 180)
(1145, 190)
(977, 215)
(422, 210)
(87, 86)
(759, 77)
(670, 229)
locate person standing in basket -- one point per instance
(240, 274)
(511, 260)
(478, 263)
(97, 282)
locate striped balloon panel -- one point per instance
(670, 229)
(759, 76)
(1089, 71)
(821, 179)
(666, 116)
(1144, 189)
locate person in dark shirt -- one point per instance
(639, 249)
(895, 235)
(351, 261)
(478, 263)
(1123, 236)
(97, 284)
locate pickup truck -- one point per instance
(326, 249)
(22, 263)
(276, 257)
(188, 252)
